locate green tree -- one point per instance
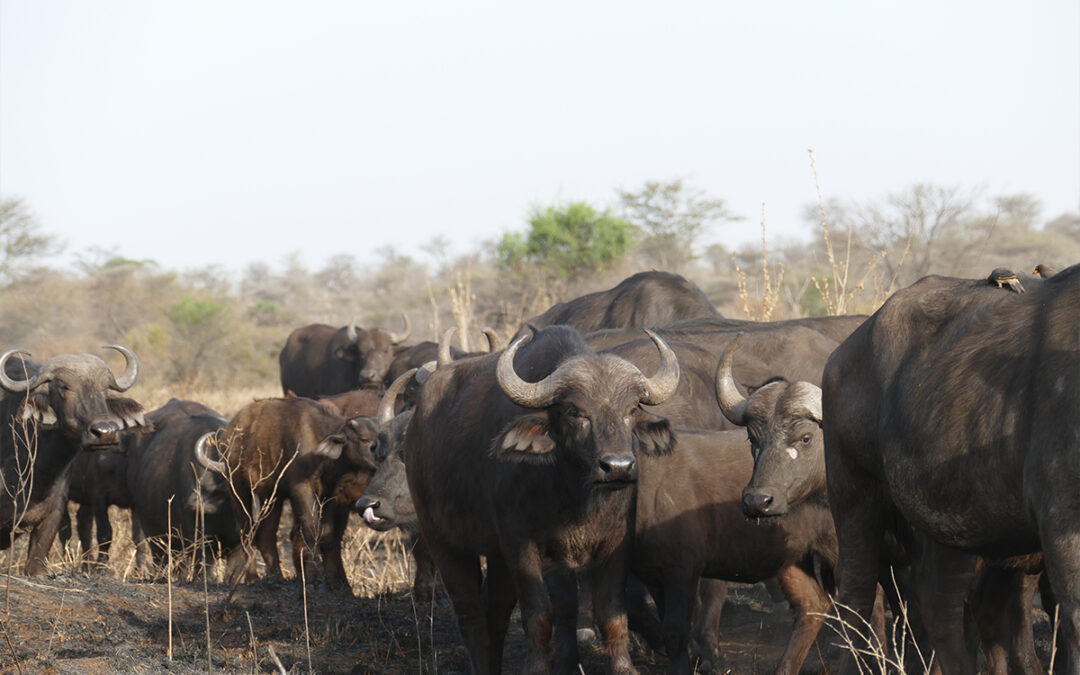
(21, 242)
(672, 217)
(566, 242)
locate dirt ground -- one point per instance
(109, 621)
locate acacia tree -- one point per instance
(671, 217)
(566, 242)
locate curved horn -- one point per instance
(200, 455)
(495, 342)
(353, 331)
(131, 368)
(425, 371)
(661, 386)
(386, 405)
(15, 386)
(444, 347)
(526, 394)
(398, 338)
(731, 402)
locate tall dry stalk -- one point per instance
(462, 305)
(168, 576)
(770, 291)
(20, 487)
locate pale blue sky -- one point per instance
(200, 133)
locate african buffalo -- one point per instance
(291, 448)
(161, 465)
(319, 360)
(689, 523)
(644, 300)
(532, 474)
(952, 414)
(98, 481)
(60, 407)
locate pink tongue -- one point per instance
(369, 515)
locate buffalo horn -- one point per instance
(398, 338)
(731, 402)
(444, 347)
(15, 386)
(353, 331)
(386, 405)
(661, 386)
(131, 368)
(200, 455)
(495, 343)
(526, 394)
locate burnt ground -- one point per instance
(109, 621)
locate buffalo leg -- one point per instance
(84, 525)
(425, 579)
(943, 579)
(500, 598)
(461, 577)
(266, 539)
(523, 559)
(705, 640)
(680, 596)
(609, 603)
(104, 531)
(337, 517)
(1060, 546)
(810, 603)
(562, 586)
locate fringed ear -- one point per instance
(654, 434)
(330, 446)
(526, 439)
(36, 409)
(126, 411)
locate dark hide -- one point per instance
(161, 464)
(952, 413)
(98, 481)
(528, 489)
(689, 523)
(643, 300)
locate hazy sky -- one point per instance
(198, 133)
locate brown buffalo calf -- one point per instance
(292, 449)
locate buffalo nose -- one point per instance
(756, 503)
(103, 429)
(617, 468)
(364, 503)
(367, 375)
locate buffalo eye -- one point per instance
(374, 445)
(806, 438)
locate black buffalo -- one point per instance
(167, 487)
(952, 415)
(319, 360)
(643, 300)
(58, 408)
(532, 474)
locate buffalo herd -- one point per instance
(919, 465)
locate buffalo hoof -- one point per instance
(586, 636)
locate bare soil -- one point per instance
(109, 621)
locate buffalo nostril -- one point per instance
(364, 503)
(100, 429)
(756, 503)
(617, 465)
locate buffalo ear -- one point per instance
(654, 434)
(526, 439)
(330, 446)
(126, 411)
(36, 407)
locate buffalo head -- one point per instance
(73, 393)
(589, 413)
(783, 423)
(372, 350)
